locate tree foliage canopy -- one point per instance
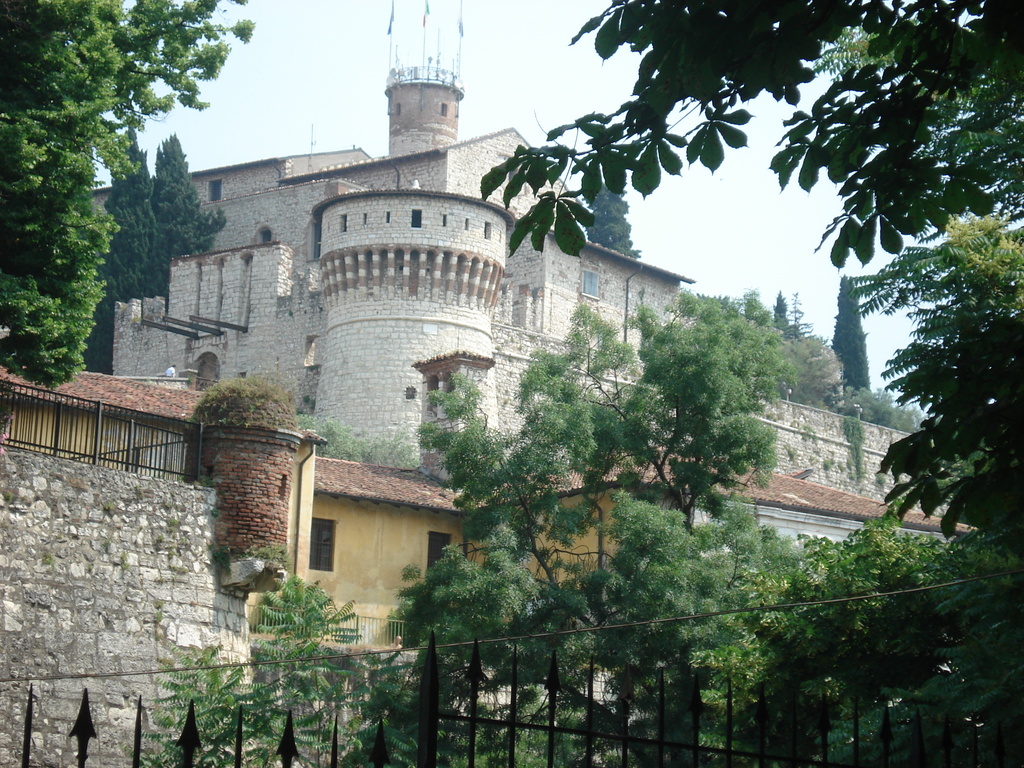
(849, 341)
(876, 132)
(74, 75)
(964, 368)
(182, 227)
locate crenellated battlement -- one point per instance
(438, 276)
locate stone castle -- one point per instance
(338, 273)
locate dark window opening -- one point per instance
(436, 542)
(344, 222)
(364, 219)
(317, 237)
(467, 225)
(417, 218)
(444, 220)
(321, 545)
(444, 110)
(487, 231)
(398, 109)
(215, 189)
(387, 217)
(266, 235)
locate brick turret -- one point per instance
(423, 109)
(252, 472)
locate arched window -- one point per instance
(266, 235)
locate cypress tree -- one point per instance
(849, 340)
(781, 313)
(611, 227)
(126, 264)
(182, 227)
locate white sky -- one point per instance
(317, 68)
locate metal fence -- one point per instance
(672, 730)
(44, 421)
(367, 631)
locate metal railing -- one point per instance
(355, 630)
(90, 431)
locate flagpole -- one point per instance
(391, 39)
(458, 63)
(426, 12)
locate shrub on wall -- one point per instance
(250, 402)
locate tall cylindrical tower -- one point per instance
(407, 275)
(423, 109)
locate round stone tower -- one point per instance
(407, 275)
(423, 109)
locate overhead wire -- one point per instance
(520, 638)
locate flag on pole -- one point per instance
(461, 33)
(391, 23)
(426, 12)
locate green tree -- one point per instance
(344, 443)
(672, 425)
(875, 651)
(75, 75)
(781, 312)
(611, 228)
(872, 132)
(298, 626)
(880, 407)
(814, 378)
(963, 369)
(182, 226)
(849, 341)
(125, 268)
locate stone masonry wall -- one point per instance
(808, 438)
(101, 572)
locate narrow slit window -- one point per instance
(387, 217)
(344, 222)
(487, 230)
(444, 110)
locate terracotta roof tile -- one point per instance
(388, 485)
(169, 402)
(144, 396)
(798, 494)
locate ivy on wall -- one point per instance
(853, 429)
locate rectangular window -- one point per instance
(436, 542)
(387, 217)
(417, 218)
(444, 220)
(487, 231)
(321, 545)
(344, 222)
(364, 219)
(215, 189)
(590, 283)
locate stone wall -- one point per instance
(101, 572)
(808, 438)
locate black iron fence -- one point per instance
(671, 730)
(48, 422)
